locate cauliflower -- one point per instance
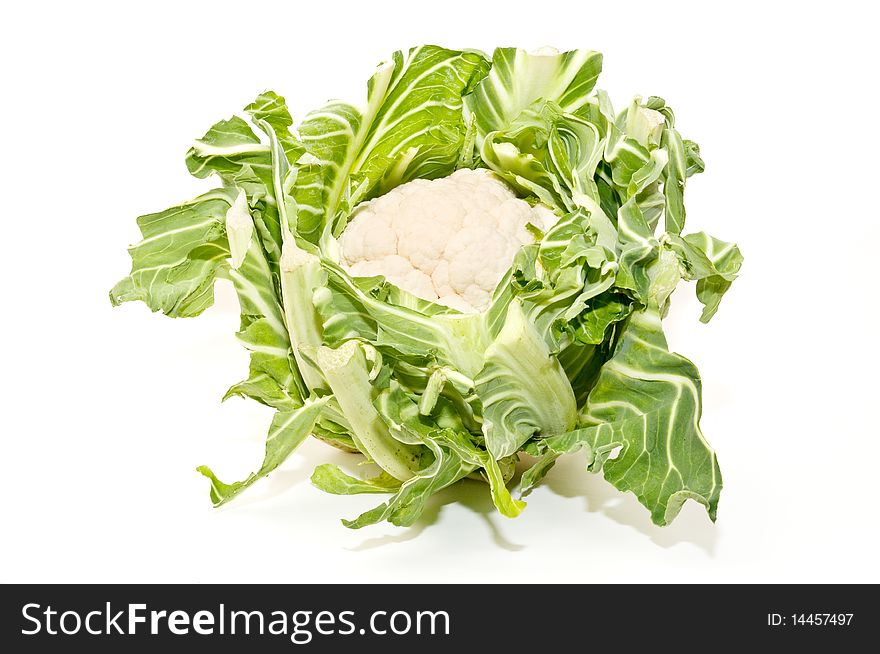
(448, 240)
(559, 358)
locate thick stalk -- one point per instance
(301, 274)
(345, 370)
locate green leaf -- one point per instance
(183, 250)
(348, 311)
(695, 163)
(330, 479)
(231, 150)
(523, 388)
(591, 325)
(581, 364)
(518, 78)
(264, 389)
(647, 401)
(271, 108)
(674, 180)
(726, 260)
(412, 127)
(548, 153)
(289, 429)
(535, 474)
(263, 329)
(520, 155)
(460, 443)
(713, 263)
(235, 153)
(408, 503)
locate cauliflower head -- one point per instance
(447, 240)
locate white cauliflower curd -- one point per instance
(448, 240)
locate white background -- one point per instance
(106, 412)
